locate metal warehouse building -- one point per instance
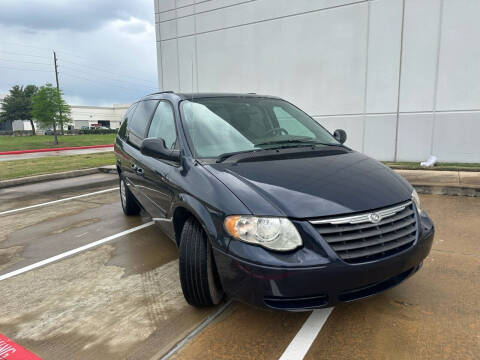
(402, 77)
(107, 116)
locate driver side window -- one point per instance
(163, 125)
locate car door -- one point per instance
(135, 134)
(155, 184)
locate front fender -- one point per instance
(210, 219)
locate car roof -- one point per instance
(190, 96)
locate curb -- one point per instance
(447, 178)
(457, 183)
(436, 169)
(16, 152)
(109, 169)
(447, 190)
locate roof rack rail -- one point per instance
(163, 92)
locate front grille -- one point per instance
(357, 239)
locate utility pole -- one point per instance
(58, 90)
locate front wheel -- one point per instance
(198, 275)
(129, 204)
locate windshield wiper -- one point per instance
(225, 156)
(301, 142)
(291, 144)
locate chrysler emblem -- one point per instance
(374, 218)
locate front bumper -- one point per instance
(334, 281)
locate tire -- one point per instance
(129, 203)
(198, 275)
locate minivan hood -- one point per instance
(310, 187)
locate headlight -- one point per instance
(272, 233)
(416, 200)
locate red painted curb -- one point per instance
(12, 351)
(53, 149)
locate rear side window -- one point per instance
(122, 132)
(137, 125)
(163, 125)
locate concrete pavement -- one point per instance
(433, 315)
(123, 300)
(119, 300)
(36, 193)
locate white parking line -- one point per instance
(301, 343)
(73, 252)
(57, 201)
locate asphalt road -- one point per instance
(122, 299)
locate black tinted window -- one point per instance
(163, 125)
(142, 115)
(123, 128)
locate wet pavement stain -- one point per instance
(10, 255)
(87, 309)
(65, 230)
(76, 225)
(44, 215)
(147, 251)
(36, 193)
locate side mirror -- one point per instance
(156, 148)
(340, 135)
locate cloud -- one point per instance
(133, 26)
(85, 15)
(111, 62)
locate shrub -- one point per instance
(98, 131)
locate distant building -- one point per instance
(107, 116)
(82, 116)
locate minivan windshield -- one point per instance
(225, 125)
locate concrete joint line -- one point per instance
(194, 333)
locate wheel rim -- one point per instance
(123, 193)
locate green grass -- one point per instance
(47, 165)
(438, 166)
(10, 143)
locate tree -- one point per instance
(18, 104)
(50, 109)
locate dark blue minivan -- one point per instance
(264, 204)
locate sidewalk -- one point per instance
(47, 178)
(464, 183)
(34, 155)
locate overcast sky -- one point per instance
(105, 48)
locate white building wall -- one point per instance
(88, 115)
(402, 77)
